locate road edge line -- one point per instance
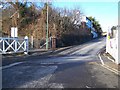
(100, 58)
(110, 58)
(111, 70)
(10, 65)
(106, 66)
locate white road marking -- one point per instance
(109, 58)
(112, 68)
(116, 72)
(88, 87)
(107, 67)
(11, 65)
(47, 63)
(101, 59)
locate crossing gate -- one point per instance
(13, 45)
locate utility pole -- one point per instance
(47, 27)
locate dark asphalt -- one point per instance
(77, 67)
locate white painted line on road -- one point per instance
(110, 58)
(107, 67)
(11, 65)
(101, 59)
(88, 87)
(110, 69)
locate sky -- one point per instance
(106, 12)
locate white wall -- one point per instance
(118, 41)
(112, 46)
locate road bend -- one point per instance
(79, 67)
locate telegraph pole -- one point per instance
(47, 28)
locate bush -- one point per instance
(70, 39)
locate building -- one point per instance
(85, 20)
(113, 43)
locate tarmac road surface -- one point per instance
(79, 67)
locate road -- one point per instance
(77, 67)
